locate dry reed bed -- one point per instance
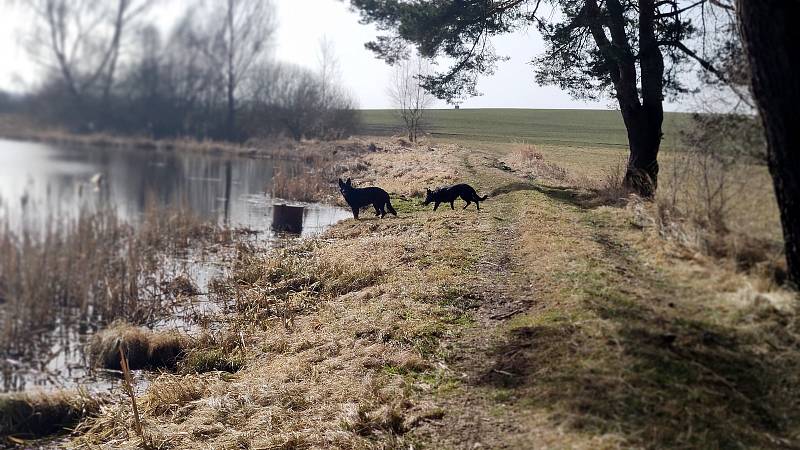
(337, 334)
(21, 128)
(31, 415)
(92, 271)
(89, 272)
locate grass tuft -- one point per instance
(144, 349)
(202, 360)
(36, 415)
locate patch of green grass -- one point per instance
(408, 205)
(599, 128)
(502, 395)
(393, 370)
(209, 360)
(462, 320)
(439, 380)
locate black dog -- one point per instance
(451, 193)
(358, 198)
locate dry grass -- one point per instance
(721, 209)
(695, 206)
(287, 282)
(409, 168)
(333, 338)
(202, 360)
(531, 162)
(305, 187)
(539, 322)
(610, 189)
(143, 348)
(33, 415)
(94, 269)
(627, 343)
(172, 395)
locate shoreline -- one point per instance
(17, 128)
(543, 320)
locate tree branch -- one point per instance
(677, 12)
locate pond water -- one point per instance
(39, 181)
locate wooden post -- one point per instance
(287, 219)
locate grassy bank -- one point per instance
(560, 127)
(547, 320)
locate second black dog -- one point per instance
(358, 198)
(451, 193)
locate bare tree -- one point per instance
(329, 73)
(82, 39)
(337, 117)
(247, 27)
(298, 100)
(408, 95)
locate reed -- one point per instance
(84, 273)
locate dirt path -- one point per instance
(588, 337)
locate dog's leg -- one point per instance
(355, 213)
(377, 210)
(436, 205)
(466, 204)
(452, 206)
(478, 205)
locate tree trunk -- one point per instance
(643, 118)
(231, 75)
(644, 140)
(644, 122)
(772, 40)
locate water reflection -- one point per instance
(38, 178)
(40, 181)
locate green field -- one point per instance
(601, 128)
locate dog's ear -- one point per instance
(349, 182)
(341, 183)
(428, 191)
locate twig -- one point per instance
(506, 315)
(503, 372)
(128, 386)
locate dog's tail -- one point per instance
(390, 208)
(481, 198)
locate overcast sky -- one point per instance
(301, 25)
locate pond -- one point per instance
(40, 181)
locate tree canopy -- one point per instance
(587, 41)
(632, 50)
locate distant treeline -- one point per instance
(209, 76)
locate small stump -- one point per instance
(287, 219)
